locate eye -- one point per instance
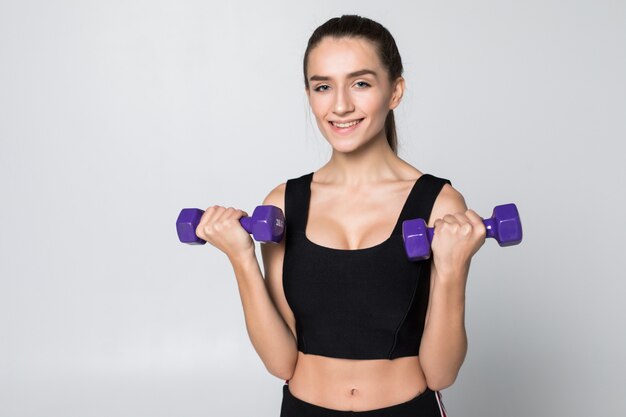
(363, 83)
(319, 87)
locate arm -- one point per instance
(272, 337)
(458, 237)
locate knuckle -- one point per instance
(201, 231)
(473, 215)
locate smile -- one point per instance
(345, 125)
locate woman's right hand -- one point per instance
(220, 227)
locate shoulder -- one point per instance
(276, 196)
(448, 201)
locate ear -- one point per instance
(396, 93)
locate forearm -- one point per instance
(444, 341)
(270, 335)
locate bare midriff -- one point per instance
(355, 384)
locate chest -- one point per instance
(355, 283)
(352, 221)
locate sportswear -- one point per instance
(367, 303)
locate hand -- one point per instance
(220, 227)
(457, 237)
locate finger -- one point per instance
(203, 230)
(231, 214)
(450, 219)
(461, 218)
(464, 223)
(226, 213)
(239, 214)
(208, 215)
(216, 209)
(446, 224)
(474, 217)
(479, 226)
(210, 210)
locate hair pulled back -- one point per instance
(354, 26)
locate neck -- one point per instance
(372, 163)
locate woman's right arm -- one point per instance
(269, 320)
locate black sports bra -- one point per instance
(367, 303)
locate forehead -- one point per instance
(339, 56)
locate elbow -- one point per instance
(439, 378)
(284, 374)
(283, 368)
(440, 382)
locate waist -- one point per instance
(338, 383)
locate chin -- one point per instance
(345, 147)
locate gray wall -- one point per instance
(115, 115)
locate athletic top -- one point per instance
(367, 303)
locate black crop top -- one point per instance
(367, 303)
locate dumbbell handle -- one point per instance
(490, 225)
(246, 223)
(266, 224)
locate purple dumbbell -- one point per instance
(267, 224)
(504, 225)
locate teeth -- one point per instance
(344, 125)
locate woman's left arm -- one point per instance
(459, 233)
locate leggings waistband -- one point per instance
(426, 404)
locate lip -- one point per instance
(345, 131)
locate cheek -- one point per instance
(370, 101)
(319, 105)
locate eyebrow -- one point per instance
(351, 75)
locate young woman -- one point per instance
(342, 315)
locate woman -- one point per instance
(342, 315)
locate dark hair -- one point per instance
(357, 26)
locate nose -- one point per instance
(343, 103)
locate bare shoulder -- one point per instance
(276, 196)
(449, 201)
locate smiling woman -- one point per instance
(350, 324)
(375, 333)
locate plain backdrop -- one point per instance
(115, 115)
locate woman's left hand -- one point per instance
(457, 237)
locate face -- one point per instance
(349, 92)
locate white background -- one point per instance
(115, 115)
